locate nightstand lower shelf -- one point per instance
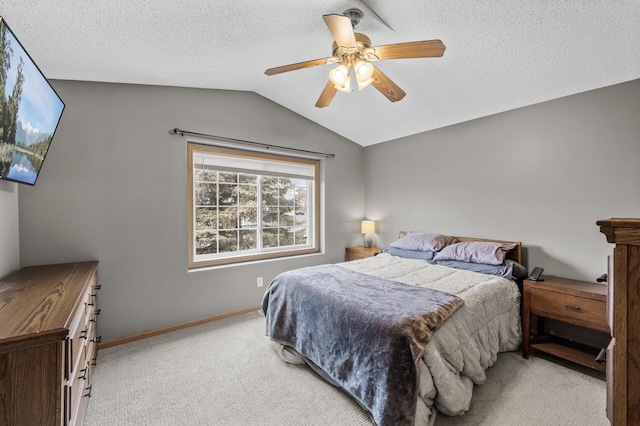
(569, 350)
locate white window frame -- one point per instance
(240, 159)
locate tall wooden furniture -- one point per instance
(47, 343)
(623, 315)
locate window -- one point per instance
(248, 205)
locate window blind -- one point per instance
(253, 165)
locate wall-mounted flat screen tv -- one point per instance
(29, 111)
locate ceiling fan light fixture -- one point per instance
(340, 77)
(364, 73)
(346, 87)
(364, 69)
(353, 50)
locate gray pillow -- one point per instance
(483, 268)
(486, 252)
(410, 254)
(423, 242)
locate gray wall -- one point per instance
(9, 238)
(114, 188)
(542, 175)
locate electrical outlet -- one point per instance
(259, 281)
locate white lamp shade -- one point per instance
(363, 71)
(368, 227)
(341, 78)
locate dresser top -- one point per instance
(41, 299)
(621, 230)
(620, 222)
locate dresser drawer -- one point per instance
(569, 308)
(91, 299)
(79, 392)
(76, 345)
(611, 380)
(81, 327)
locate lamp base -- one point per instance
(367, 240)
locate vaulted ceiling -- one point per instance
(500, 54)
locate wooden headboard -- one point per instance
(514, 254)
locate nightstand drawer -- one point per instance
(568, 308)
(356, 255)
(360, 252)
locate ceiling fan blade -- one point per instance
(412, 49)
(327, 95)
(298, 66)
(341, 29)
(387, 87)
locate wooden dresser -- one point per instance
(623, 316)
(48, 343)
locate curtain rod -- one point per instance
(181, 132)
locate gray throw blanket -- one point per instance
(366, 333)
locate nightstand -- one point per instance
(575, 302)
(360, 252)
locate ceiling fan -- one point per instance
(353, 50)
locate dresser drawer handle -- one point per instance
(85, 372)
(571, 307)
(84, 333)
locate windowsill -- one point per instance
(253, 262)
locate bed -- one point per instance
(364, 325)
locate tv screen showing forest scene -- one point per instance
(29, 112)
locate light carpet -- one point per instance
(228, 373)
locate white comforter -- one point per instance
(468, 342)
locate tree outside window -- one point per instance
(248, 206)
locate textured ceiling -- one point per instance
(501, 54)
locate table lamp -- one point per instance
(367, 228)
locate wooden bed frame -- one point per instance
(514, 254)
